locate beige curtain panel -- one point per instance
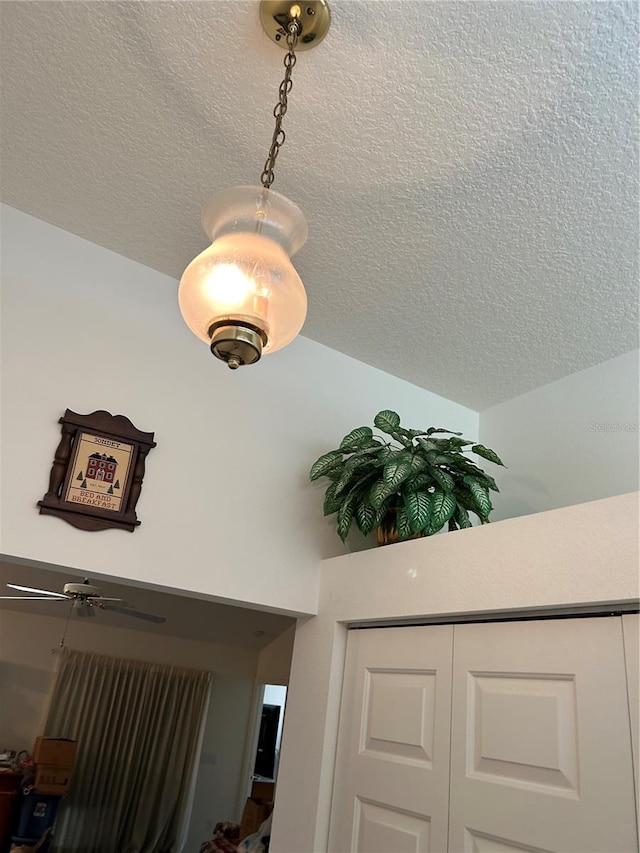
(139, 729)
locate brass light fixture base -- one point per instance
(236, 342)
(313, 16)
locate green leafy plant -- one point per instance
(413, 482)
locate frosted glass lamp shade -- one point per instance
(245, 278)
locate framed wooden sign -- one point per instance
(97, 472)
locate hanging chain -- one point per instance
(66, 626)
(280, 109)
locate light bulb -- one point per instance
(226, 284)
(242, 295)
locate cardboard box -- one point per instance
(255, 812)
(55, 751)
(264, 791)
(51, 779)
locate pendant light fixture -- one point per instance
(242, 295)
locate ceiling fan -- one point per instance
(85, 598)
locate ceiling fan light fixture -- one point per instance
(83, 608)
(242, 295)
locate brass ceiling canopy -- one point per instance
(313, 17)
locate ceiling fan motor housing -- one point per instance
(84, 589)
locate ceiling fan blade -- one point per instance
(98, 599)
(31, 598)
(137, 614)
(37, 591)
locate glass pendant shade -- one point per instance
(245, 281)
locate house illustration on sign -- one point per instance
(101, 467)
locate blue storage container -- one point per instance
(37, 813)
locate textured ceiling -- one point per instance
(189, 618)
(468, 169)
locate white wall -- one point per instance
(27, 668)
(226, 507)
(572, 441)
(579, 555)
(274, 661)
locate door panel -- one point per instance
(392, 767)
(523, 731)
(541, 756)
(480, 843)
(379, 829)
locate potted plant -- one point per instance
(410, 484)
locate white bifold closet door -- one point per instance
(392, 764)
(537, 756)
(540, 739)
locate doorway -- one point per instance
(271, 720)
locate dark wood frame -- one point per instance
(111, 427)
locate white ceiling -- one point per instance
(468, 169)
(189, 618)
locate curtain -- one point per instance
(139, 731)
